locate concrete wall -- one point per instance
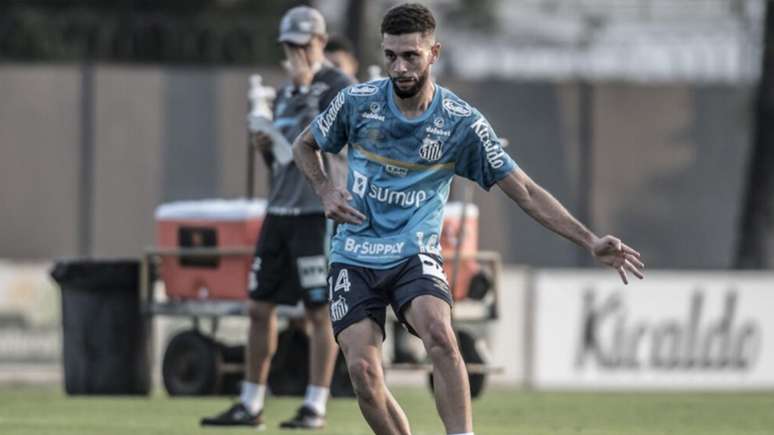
(668, 160)
(128, 165)
(668, 167)
(39, 160)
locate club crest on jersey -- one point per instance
(363, 90)
(373, 113)
(456, 108)
(431, 149)
(339, 308)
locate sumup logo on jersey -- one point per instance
(385, 195)
(373, 113)
(405, 199)
(359, 183)
(431, 149)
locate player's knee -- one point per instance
(440, 341)
(364, 375)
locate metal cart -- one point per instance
(195, 363)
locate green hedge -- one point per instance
(244, 33)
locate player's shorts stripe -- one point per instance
(407, 165)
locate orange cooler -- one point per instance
(452, 219)
(219, 224)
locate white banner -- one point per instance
(673, 330)
(30, 316)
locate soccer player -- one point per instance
(408, 137)
(290, 262)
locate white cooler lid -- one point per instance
(454, 210)
(212, 209)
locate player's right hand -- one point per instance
(298, 66)
(335, 201)
(261, 141)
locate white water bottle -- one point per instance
(260, 118)
(374, 72)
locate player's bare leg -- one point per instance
(399, 418)
(261, 341)
(362, 347)
(322, 346)
(431, 319)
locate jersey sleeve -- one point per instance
(330, 128)
(335, 86)
(482, 158)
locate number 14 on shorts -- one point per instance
(342, 283)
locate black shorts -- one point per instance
(358, 293)
(290, 262)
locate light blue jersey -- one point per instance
(400, 169)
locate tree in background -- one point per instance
(756, 231)
(142, 31)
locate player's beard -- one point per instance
(414, 90)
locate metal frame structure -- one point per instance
(466, 313)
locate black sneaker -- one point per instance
(305, 418)
(237, 415)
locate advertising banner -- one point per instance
(673, 330)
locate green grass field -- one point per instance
(47, 411)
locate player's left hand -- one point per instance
(611, 251)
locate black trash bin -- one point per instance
(105, 337)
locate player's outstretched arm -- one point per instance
(544, 208)
(335, 200)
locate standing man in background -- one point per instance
(340, 53)
(408, 137)
(290, 262)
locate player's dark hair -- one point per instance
(408, 18)
(338, 43)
